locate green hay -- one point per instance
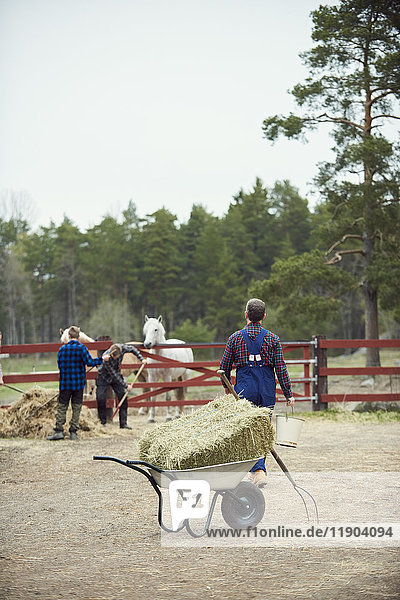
(224, 430)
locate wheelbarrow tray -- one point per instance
(221, 477)
(225, 476)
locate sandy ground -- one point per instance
(72, 527)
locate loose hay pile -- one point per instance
(224, 430)
(33, 416)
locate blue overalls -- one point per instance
(255, 381)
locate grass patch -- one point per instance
(337, 414)
(27, 364)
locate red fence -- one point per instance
(205, 372)
(208, 377)
(322, 371)
(314, 387)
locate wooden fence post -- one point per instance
(320, 386)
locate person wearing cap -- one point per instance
(109, 374)
(258, 357)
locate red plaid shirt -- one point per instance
(236, 354)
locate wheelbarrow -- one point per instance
(242, 503)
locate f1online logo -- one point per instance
(189, 499)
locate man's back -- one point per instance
(71, 360)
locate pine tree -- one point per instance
(354, 86)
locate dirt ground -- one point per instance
(72, 527)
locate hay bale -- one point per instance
(33, 416)
(224, 430)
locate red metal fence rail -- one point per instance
(322, 372)
(208, 375)
(205, 376)
(314, 353)
(37, 376)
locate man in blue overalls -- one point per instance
(257, 355)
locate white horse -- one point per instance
(154, 334)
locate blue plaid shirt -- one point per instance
(72, 359)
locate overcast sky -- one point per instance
(158, 101)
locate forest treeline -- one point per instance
(197, 275)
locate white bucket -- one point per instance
(288, 430)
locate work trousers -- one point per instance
(257, 384)
(76, 397)
(101, 394)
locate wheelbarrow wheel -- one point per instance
(244, 507)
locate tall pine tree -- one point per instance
(354, 87)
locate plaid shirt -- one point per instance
(236, 353)
(72, 359)
(111, 369)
